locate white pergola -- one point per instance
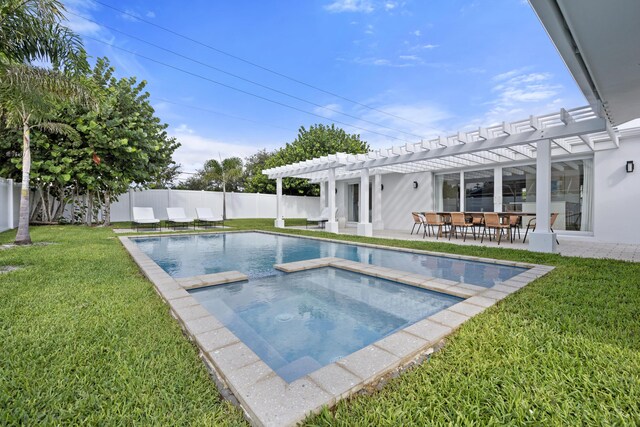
(538, 138)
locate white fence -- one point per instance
(9, 204)
(239, 205)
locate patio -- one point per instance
(569, 246)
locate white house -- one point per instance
(580, 163)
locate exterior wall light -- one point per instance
(415, 184)
(381, 187)
(630, 166)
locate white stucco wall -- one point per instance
(617, 194)
(399, 198)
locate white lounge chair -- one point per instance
(205, 217)
(177, 218)
(322, 219)
(144, 217)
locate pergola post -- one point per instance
(364, 226)
(497, 189)
(279, 222)
(378, 223)
(332, 224)
(543, 239)
(323, 195)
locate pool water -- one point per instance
(254, 254)
(302, 321)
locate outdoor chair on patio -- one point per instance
(532, 225)
(492, 224)
(144, 217)
(419, 220)
(322, 219)
(433, 221)
(459, 222)
(177, 218)
(206, 218)
(515, 223)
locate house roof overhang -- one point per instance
(598, 41)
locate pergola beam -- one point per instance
(595, 124)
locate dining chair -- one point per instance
(492, 222)
(419, 220)
(459, 222)
(532, 225)
(432, 221)
(515, 224)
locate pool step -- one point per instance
(205, 280)
(450, 287)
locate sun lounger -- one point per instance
(205, 217)
(177, 218)
(322, 219)
(144, 217)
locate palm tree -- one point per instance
(223, 172)
(27, 94)
(30, 30)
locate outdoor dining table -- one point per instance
(446, 216)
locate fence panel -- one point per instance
(239, 205)
(9, 204)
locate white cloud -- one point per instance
(390, 5)
(418, 120)
(130, 15)
(78, 24)
(417, 33)
(329, 110)
(384, 62)
(196, 149)
(419, 47)
(369, 29)
(514, 87)
(339, 6)
(520, 93)
(410, 57)
(150, 14)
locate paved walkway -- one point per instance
(585, 247)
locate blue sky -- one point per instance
(441, 66)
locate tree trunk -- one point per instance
(107, 209)
(224, 201)
(89, 207)
(22, 236)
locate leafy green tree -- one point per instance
(30, 30)
(225, 174)
(319, 140)
(121, 144)
(168, 177)
(124, 142)
(254, 180)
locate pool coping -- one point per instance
(268, 400)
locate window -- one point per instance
(447, 192)
(478, 191)
(571, 192)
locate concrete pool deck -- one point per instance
(267, 399)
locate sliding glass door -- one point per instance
(478, 191)
(571, 192)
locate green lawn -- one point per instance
(85, 339)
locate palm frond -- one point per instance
(60, 129)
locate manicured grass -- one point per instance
(85, 339)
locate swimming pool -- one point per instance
(254, 254)
(288, 344)
(300, 322)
